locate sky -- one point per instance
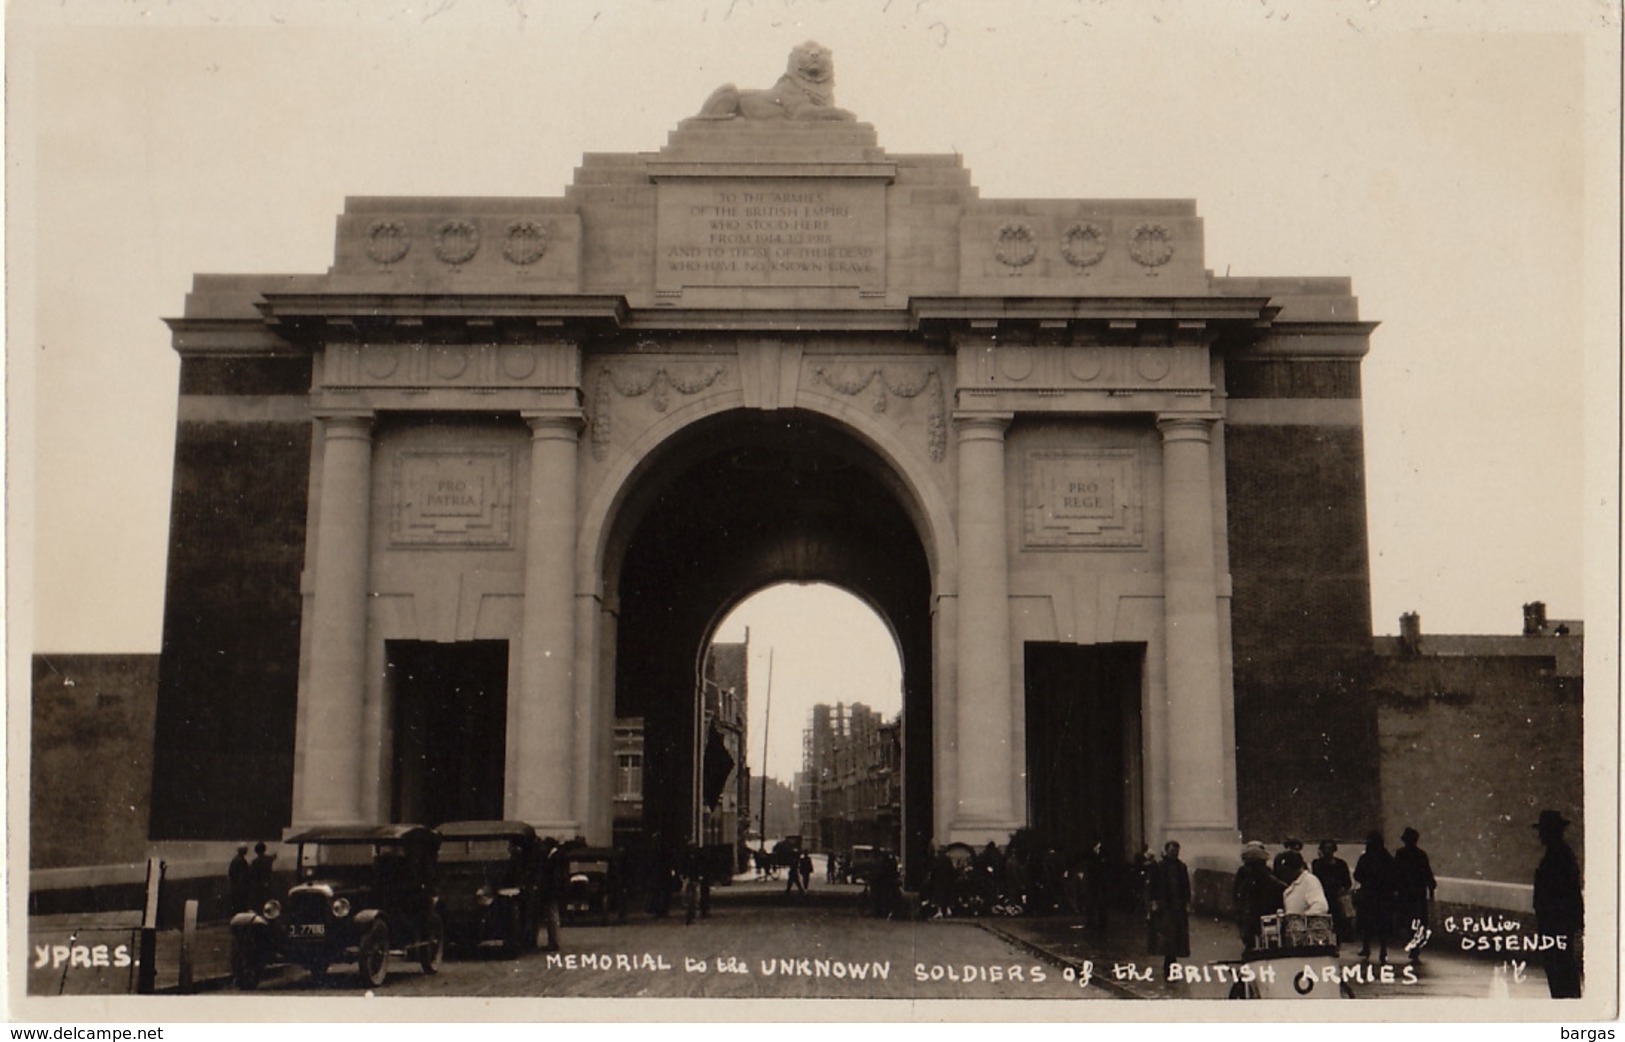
(1450, 163)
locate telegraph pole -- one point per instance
(767, 718)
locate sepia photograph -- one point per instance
(812, 511)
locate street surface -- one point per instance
(809, 948)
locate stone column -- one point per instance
(543, 715)
(983, 714)
(331, 777)
(1198, 759)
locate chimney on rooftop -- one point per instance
(1534, 618)
(1410, 632)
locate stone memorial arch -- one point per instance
(444, 512)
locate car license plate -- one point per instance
(308, 930)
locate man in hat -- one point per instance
(1559, 907)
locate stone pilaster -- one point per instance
(330, 785)
(1198, 758)
(542, 718)
(983, 712)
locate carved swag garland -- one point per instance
(658, 383)
(852, 381)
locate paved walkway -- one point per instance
(1119, 958)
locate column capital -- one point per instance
(552, 425)
(346, 423)
(1187, 426)
(980, 426)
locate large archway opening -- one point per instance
(824, 679)
(735, 503)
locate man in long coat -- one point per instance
(1170, 894)
(1559, 906)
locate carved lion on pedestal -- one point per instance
(805, 91)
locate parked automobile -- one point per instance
(593, 887)
(497, 883)
(361, 894)
(863, 861)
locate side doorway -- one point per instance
(450, 715)
(1084, 764)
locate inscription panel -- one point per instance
(453, 498)
(1084, 498)
(770, 232)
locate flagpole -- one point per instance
(767, 718)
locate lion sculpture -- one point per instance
(805, 91)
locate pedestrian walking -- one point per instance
(805, 867)
(1374, 899)
(1256, 892)
(1414, 887)
(1335, 880)
(1560, 906)
(237, 881)
(1170, 897)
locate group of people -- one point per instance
(1386, 892)
(249, 882)
(1022, 878)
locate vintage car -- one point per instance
(592, 883)
(497, 884)
(361, 893)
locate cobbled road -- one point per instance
(822, 950)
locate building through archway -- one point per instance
(1111, 505)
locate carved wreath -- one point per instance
(879, 385)
(527, 242)
(1083, 244)
(456, 242)
(1150, 245)
(658, 385)
(387, 241)
(1015, 245)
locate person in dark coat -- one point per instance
(1096, 887)
(1374, 900)
(1256, 892)
(1414, 886)
(1333, 873)
(260, 876)
(1170, 908)
(237, 881)
(1559, 906)
(805, 866)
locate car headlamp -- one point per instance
(341, 907)
(484, 895)
(272, 909)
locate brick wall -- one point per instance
(1473, 748)
(227, 686)
(90, 779)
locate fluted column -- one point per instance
(1197, 756)
(983, 713)
(542, 718)
(330, 788)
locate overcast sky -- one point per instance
(1448, 166)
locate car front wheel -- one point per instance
(373, 959)
(434, 943)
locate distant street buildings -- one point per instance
(850, 785)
